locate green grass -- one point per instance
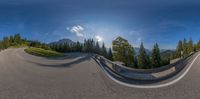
(43, 52)
(19, 46)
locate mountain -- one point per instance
(167, 50)
(62, 41)
(163, 52)
(148, 51)
(167, 53)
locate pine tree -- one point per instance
(92, 46)
(179, 49)
(185, 48)
(155, 57)
(135, 62)
(198, 46)
(61, 48)
(190, 46)
(1, 45)
(17, 39)
(103, 50)
(143, 59)
(5, 42)
(65, 47)
(97, 48)
(78, 46)
(195, 47)
(84, 46)
(110, 55)
(11, 40)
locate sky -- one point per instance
(148, 21)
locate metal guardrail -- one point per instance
(145, 74)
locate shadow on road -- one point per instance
(71, 55)
(68, 64)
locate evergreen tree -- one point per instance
(72, 47)
(135, 62)
(84, 46)
(155, 57)
(78, 46)
(103, 50)
(89, 45)
(190, 46)
(97, 48)
(17, 38)
(1, 45)
(66, 47)
(185, 48)
(179, 49)
(60, 48)
(57, 47)
(195, 47)
(110, 55)
(165, 61)
(198, 46)
(123, 51)
(5, 42)
(143, 59)
(11, 40)
(92, 46)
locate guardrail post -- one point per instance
(116, 68)
(100, 59)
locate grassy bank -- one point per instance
(43, 52)
(19, 46)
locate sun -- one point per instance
(99, 38)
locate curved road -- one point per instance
(23, 76)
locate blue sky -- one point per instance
(161, 21)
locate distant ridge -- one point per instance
(149, 51)
(163, 52)
(62, 41)
(137, 49)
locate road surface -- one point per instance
(24, 76)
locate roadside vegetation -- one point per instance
(121, 50)
(35, 47)
(88, 46)
(14, 41)
(43, 52)
(124, 52)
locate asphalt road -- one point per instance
(23, 76)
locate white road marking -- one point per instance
(153, 86)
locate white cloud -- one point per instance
(99, 38)
(78, 30)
